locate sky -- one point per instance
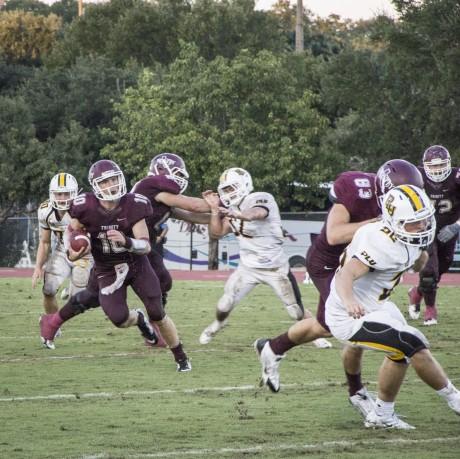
(353, 9)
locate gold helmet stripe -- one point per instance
(414, 198)
(62, 179)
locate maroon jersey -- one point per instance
(445, 196)
(355, 191)
(149, 187)
(131, 209)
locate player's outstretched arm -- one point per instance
(191, 217)
(183, 202)
(339, 230)
(344, 280)
(248, 215)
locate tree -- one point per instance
(22, 162)
(27, 37)
(30, 6)
(246, 112)
(67, 10)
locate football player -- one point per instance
(255, 220)
(166, 181)
(356, 200)
(53, 218)
(442, 184)
(358, 310)
(116, 221)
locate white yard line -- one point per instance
(216, 452)
(143, 393)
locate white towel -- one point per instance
(121, 271)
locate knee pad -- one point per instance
(51, 285)
(295, 311)
(428, 284)
(226, 303)
(84, 300)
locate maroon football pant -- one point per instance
(321, 279)
(145, 284)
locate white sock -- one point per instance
(384, 408)
(449, 392)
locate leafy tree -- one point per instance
(26, 37)
(247, 112)
(83, 93)
(12, 76)
(22, 163)
(224, 28)
(67, 10)
(30, 6)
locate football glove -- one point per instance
(449, 232)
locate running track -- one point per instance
(409, 279)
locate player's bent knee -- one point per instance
(50, 290)
(428, 284)
(154, 308)
(295, 311)
(122, 322)
(226, 303)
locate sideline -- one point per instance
(408, 279)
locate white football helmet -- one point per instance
(63, 190)
(408, 211)
(234, 185)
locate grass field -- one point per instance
(102, 394)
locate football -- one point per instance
(79, 239)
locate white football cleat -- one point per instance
(431, 316)
(373, 420)
(49, 344)
(414, 303)
(363, 402)
(210, 331)
(414, 314)
(322, 343)
(455, 403)
(270, 364)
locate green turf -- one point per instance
(120, 399)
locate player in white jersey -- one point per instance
(358, 310)
(255, 220)
(56, 268)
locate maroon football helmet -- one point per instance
(436, 162)
(172, 166)
(101, 171)
(394, 173)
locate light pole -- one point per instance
(299, 27)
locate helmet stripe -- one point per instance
(62, 180)
(414, 198)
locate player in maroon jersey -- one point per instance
(442, 185)
(356, 200)
(166, 181)
(116, 221)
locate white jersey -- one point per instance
(376, 246)
(48, 218)
(261, 241)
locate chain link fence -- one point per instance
(19, 237)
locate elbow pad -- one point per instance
(138, 246)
